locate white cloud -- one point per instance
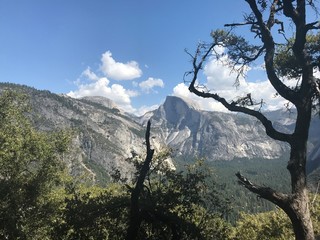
(181, 90)
(89, 74)
(92, 84)
(144, 109)
(150, 83)
(219, 75)
(218, 79)
(102, 87)
(117, 70)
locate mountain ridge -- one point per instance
(107, 138)
(214, 135)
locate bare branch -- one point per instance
(313, 25)
(255, 57)
(239, 24)
(271, 20)
(270, 130)
(244, 101)
(280, 199)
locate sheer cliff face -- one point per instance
(213, 135)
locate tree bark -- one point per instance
(299, 211)
(299, 214)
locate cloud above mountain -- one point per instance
(105, 82)
(218, 78)
(149, 84)
(117, 70)
(130, 95)
(102, 87)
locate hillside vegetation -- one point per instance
(40, 199)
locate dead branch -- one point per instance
(135, 216)
(280, 199)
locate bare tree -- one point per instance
(135, 215)
(264, 18)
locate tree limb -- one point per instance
(313, 25)
(267, 193)
(283, 90)
(289, 11)
(270, 130)
(239, 24)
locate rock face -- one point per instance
(105, 138)
(213, 135)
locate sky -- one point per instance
(132, 52)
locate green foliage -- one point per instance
(273, 225)
(178, 199)
(289, 67)
(315, 212)
(287, 64)
(137, 132)
(38, 200)
(271, 172)
(264, 226)
(94, 213)
(238, 49)
(30, 166)
(185, 202)
(171, 202)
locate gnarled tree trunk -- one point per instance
(301, 66)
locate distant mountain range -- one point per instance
(106, 138)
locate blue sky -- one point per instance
(129, 51)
